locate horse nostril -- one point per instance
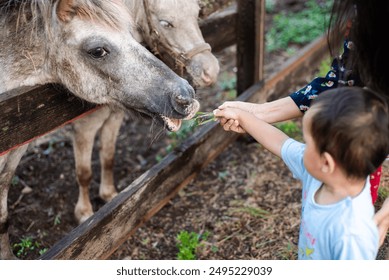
(206, 78)
(183, 100)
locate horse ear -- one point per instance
(65, 10)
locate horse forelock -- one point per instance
(28, 12)
(158, 4)
(112, 13)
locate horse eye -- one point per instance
(98, 52)
(165, 24)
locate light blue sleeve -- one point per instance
(356, 247)
(292, 153)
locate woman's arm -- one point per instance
(296, 103)
(382, 220)
(271, 112)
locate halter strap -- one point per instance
(160, 46)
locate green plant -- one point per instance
(215, 249)
(324, 66)
(42, 251)
(228, 82)
(290, 128)
(57, 219)
(291, 50)
(189, 243)
(298, 28)
(222, 175)
(176, 138)
(15, 180)
(146, 241)
(202, 118)
(187, 128)
(288, 253)
(383, 193)
(25, 246)
(269, 6)
(252, 211)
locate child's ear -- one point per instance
(328, 163)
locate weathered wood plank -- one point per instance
(247, 44)
(259, 40)
(219, 29)
(28, 113)
(110, 226)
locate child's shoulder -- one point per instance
(355, 214)
(292, 147)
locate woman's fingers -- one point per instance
(222, 121)
(227, 125)
(244, 106)
(234, 104)
(233, 125)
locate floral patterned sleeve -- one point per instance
(339, 75)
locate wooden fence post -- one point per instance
(250, 43)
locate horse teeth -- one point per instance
(171, 124)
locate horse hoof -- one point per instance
(83, 218)
(108, 196)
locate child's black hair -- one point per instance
(352, 124)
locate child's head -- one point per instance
(352, 125)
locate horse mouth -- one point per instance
(168, 123)
(171, 124)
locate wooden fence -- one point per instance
(30, 112)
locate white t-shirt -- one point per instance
(341, 231)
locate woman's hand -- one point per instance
(228, 118)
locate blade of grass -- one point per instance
(202, 118)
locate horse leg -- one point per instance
(108, 136)
(84, 132)
(8, 165)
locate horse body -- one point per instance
(170, 28)
(88, 47)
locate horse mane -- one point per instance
(28, 13)
(133, 4)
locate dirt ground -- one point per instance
(245, 202)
